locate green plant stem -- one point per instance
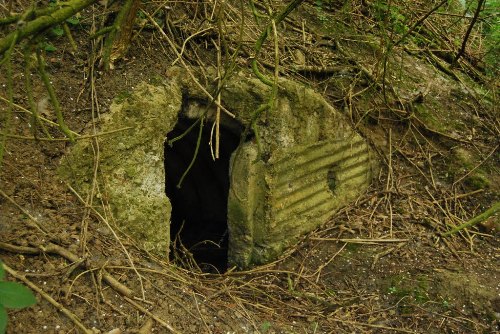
(53, 98)
(31, 14)
(255, 13)
(263, 36)
(70, 37)
(100, 32)
(43, 22)
(35, 117)
(27, 15)
(182, 135)
(482, 217)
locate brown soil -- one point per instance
(378, 266)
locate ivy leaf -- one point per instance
(3, 319)
(15, 295)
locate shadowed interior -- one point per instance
(199, 206)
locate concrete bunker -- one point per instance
(304, 163)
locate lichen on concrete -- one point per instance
(131, 163)
(305, 163)
(302, 164)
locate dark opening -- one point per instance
(199, 206)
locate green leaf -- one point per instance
(3, 319)
(49, 47)
(15, 295)
(2, 272)
(73, 20)
(57, 31)
(265, 326)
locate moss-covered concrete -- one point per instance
(302, 164)
(130, 169)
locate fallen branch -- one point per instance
(155, 317)
(56, 249)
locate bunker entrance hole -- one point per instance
(198, 226)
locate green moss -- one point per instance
(424, 114)
(122, 96)
(412, 289)
(477, 180)
(463, 161)
(156, 80)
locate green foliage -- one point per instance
(415, 289)
(319, 7)
(266, 326)
(390, 16)
(491, 31)
(73, 20)
(12, 295)
(47, 46)
(15, 295)
(57, 31)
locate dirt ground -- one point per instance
(380, 265)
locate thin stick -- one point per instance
(199, 312)
(21, 108)
(197, 148)
(48, 298)
(482, 217)
(469, 30)
(197, 83)
(105, 221)
(67, 139)
(458, 196)
(218, 99)
(186, 41)
(323, 265)
(35, 117)
(361, 241)
(53, 98)
(476, 167)
(155, 317)
(63, 252)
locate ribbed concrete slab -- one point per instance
(277, 202)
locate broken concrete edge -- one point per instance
(269, 208)
(131, 175)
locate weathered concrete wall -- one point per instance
(304, 163)
(309, 164)
(131, 173)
